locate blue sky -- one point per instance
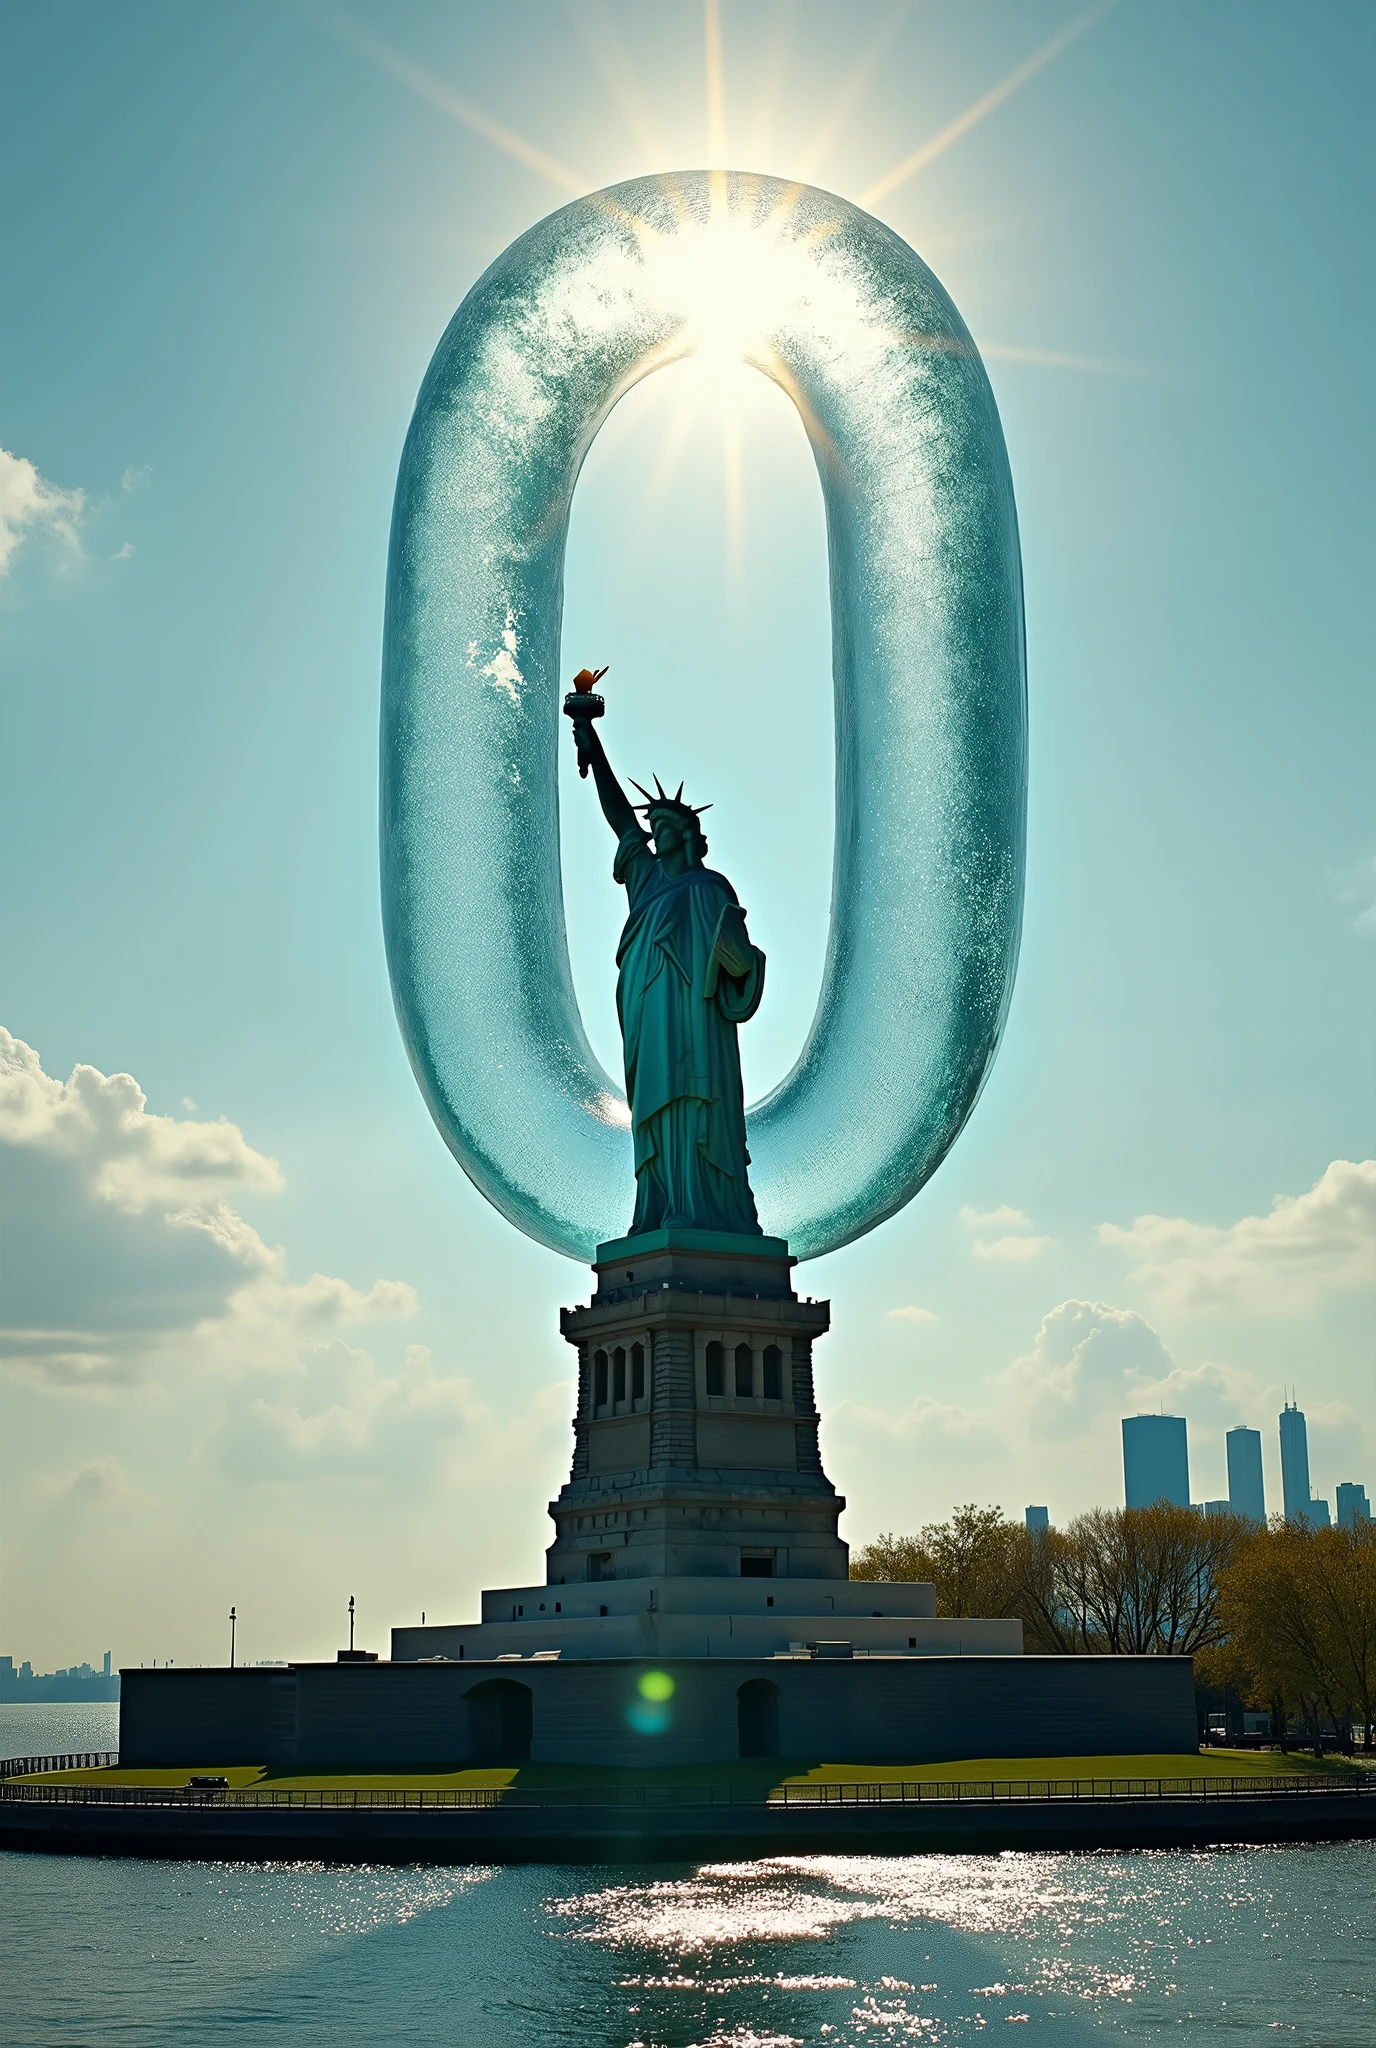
(233, 238)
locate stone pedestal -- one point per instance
(697, 1606)
(695, 1438)
(696, 1540)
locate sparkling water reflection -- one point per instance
(823, 1952)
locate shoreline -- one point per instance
(496, 1826)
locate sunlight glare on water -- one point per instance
(1128, 1935)
(821, 1952)
(781, 1900)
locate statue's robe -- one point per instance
(687, 975)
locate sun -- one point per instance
(729, 276)
(725, 278)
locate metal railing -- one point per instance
(82, 1760)
(906, 1792)
(917, 1791)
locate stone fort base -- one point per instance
(448, 1716)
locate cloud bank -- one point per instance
(29, 504)
(1282, 1263)
(127, 1263)
(192, 1421)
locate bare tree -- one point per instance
(1120, 1582)
(1144, 1581)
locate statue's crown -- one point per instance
(662, 801)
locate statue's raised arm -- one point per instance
(617, 808)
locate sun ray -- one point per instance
(1015, 352)
(848, 98)
(767, 81)
(963, 123)
(600, 39)
(437, 94)
(716, 91)
(625, 423)
(670, 455)
(733, 473)
(1058, 359)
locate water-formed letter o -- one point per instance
(931, 748)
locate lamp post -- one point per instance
(351, 1621)
(233, 1622)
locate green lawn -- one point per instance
(744, 1777)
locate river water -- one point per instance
(1224, 1946)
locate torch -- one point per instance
(582, 704)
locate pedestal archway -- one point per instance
(499, 1719)
(757, 1717)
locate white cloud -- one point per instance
(1092, 1364)
(913, 1314)
(923, 1418)
(272, 1324)
(96, 1481)
(1356, 887)
(1211, 1396)
(1281, 1263)
(196, 1408)
(1046, 1427)
(71, 1361)
(120, 1153)
(124, 554)
(237, 1239)
(1017, 1249)
(1020, 1249)
(126, 1262)
(347, 1416)
(137, 477)
(1086, 1356)
(30, 504)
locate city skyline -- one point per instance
(1156, 1467)
(253, 1309)
(21, 1685)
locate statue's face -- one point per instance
(668, 830)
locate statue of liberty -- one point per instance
(687, 975)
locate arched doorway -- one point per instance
(757, 1717)
(499, 1719)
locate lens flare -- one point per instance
(650, 1712)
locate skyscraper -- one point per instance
(1038, 1519)
(1156, 1460)
(1294, 1463)
(1246, 1491)
(1300, 1506)
(1353, 1505)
